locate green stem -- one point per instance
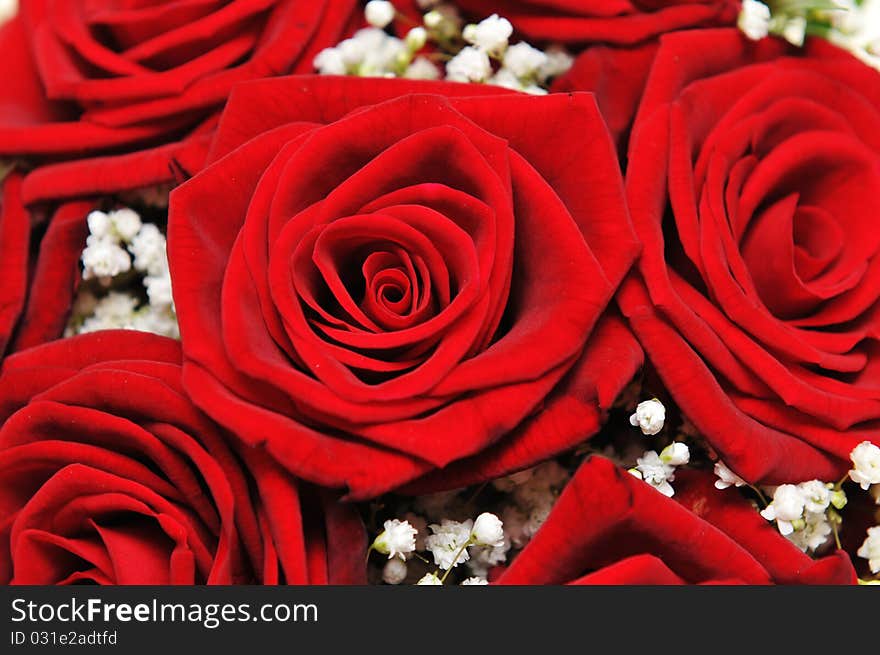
(455, 559)
(836, 535)
(761, 496)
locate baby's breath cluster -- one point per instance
(442, 46)
(809, 513)
(866, 473)
(855, 26)
(440, 535)
(126, 280)
(806, 513)
(852, 24)
(450, 543)
(658, 470)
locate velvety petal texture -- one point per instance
(109, 475)
(609, 527)
(376, 279)
(15, 227)
(754, 184)
(624, 22)
(127, 85)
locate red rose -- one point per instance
(15, 229)
(86, 78)
(108, 474)
(373, 283)
(36, 290)
(610, 528)
(754, 184)
(616, 76)
(607, 21)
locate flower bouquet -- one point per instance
(440, 292)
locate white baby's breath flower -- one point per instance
(469, 65)
(870, 549)
(488, 530)
(416, 38)
(656, 472)
(817, 496)
(474, 581)
(159, 290)
(448, 542)
(490, 35)
(394, 572)
(726, 477)
(649, 417)
(148, 248)
(398, 539)
(103, 258)
(100, 225)
(112, 312)
(857, 29)
(433, 19)
(676, 454)
(330, 62)
(754, 19)
(379, 13)
(524, 61)
(505, 78)
(866, 464)
(813, 534)
(126, 223)
(786, 508)
(430, 580)
(421, 69)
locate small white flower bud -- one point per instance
(434, 19)
(649, 416)
(394, 572)
(488, 530)
(491, 34)
(866, 464)
(99, 224)
(786, 509)
(379, 13)
(676, 454)
(416, 38)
